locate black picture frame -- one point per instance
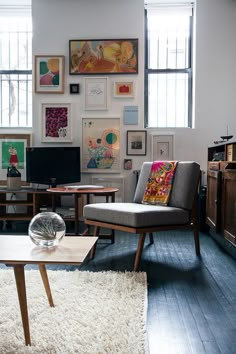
(94, 57)
(74, 89)
(136, 143)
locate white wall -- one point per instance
(55, 22)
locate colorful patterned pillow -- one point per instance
(160, 182)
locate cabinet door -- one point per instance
(213, 217)
(229, 205)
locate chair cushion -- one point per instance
(184, 185)
(136, 215)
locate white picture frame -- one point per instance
(162, 147)
(124, 89)
(56, 123)
(95, 93)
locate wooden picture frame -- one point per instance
(13, 153)
(56, 123)
(101, 145)
(103, 56)
(124, 89)
(136, 142)
(95, 93)
(49, 73)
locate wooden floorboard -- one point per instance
(191, 300)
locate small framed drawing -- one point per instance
(162, 147)
(74, 88)
(136, 142)
(123, 89)
(95, 93)
(13, 153)
(127, 164)
(56, 123)
(49, 73)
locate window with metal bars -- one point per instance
(168, 67)
(15, 71)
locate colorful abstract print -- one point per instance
(160, 182)
(56, 122)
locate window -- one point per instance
(15, 69)
(168, 67)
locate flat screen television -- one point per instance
(53, 165)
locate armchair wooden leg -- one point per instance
(196, 240)
(93, 250)
(151, 238)
(139, 251)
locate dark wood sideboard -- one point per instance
(221, 191)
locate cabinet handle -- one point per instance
(216, 201)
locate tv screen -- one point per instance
(53, 165)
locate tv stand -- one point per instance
(22, 204)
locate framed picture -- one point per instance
(49, 73)
(103, 56)
(13, 153)
(123, 89)
(127, 164)
(95, 95)
(74, 88)
(101, 145)
(56, 123)
(162, 147)
(136, 142)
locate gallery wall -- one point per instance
(55, 22)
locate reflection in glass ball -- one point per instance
(47, 229)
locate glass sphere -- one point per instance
(47, 229)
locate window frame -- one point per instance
(188, 70)
(8, 13)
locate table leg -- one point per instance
(21, 290)
(46, 284)
(76, 202)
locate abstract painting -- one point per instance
(103, 56)
(101, 145)
(56, 123)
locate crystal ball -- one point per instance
(47, 229)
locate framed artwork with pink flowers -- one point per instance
(49, 73)
(56, 123)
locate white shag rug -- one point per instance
(94, 313)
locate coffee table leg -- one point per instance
(20, 285)
(44, 277)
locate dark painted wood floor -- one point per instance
(191, 301)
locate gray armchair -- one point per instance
(138, 218)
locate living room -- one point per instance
(55, 24)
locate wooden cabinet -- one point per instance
(214, 199)
(23, 204)
(229, 205)
(221, 190)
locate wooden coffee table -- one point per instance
(17, 251)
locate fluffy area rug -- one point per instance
(94, 313)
